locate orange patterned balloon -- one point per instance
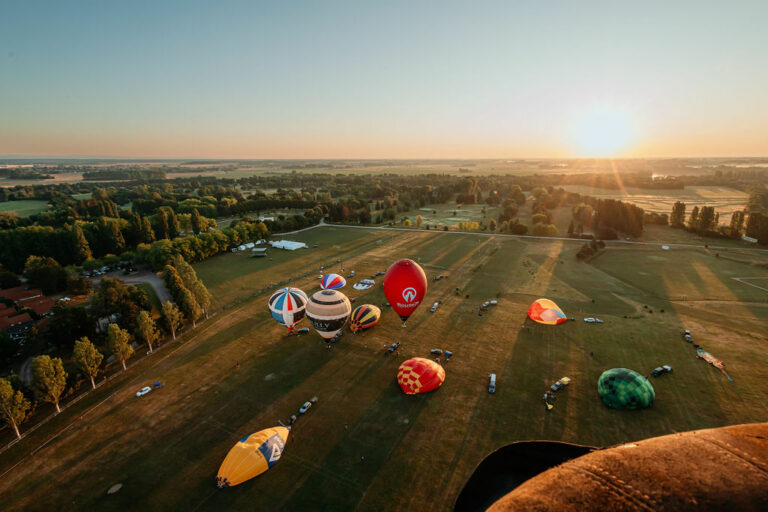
(419, 375)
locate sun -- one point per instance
(604, 131)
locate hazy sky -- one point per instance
(325, 79)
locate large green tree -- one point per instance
(202, 296)
(197, 222)
(189, 306)
(50, 379)
(172, 317)
(81, 251)
(146, 329)
(14, 406)
(88, 358)
(46, 274)
(119, 341)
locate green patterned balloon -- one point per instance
(621, 388)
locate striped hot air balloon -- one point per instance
(544, 311)
(328, 311)
(288, 306)
(419, 375)
(364, 317)
(332, 282)
(251, 456)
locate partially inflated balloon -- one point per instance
(251, 456)
(621, 388)
(332, 282)
(287, 306)
(364, 317)
(419, 375)
(327, 311)
(544, 311)
(405, 285)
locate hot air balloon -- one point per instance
(546, 312)
(332, 282)
(621, 388)
(364, 317)
(328, 311)
(287, 306)
(405, 285)
(419, 375)
(251, 456)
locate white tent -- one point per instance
(288, 245)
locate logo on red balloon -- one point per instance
(409, 294)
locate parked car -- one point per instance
(689, 338)
(304, 408)
(686, 332)
(393, 347)
(492, 384)
(589, 320)
(661, 370)
(436, 351)
(303, 330)
(557, 386)
(434, 307)
(143, 391)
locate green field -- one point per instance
(725, 200)
(24, 208)
(239, 373)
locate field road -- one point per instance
(506, 235)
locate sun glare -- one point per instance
(603, 132)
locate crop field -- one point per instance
(366, 445)
(725, 200)
(24, 208)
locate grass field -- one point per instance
(725, 200)
(24, 208)
(239, 373)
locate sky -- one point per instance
(395, 79)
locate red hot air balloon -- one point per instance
(405, 285)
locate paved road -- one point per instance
(25, 372)
(142, 276)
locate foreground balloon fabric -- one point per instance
(544, 311)
(251, 456)
(288, 306)
(419, 375)
(621, 388)
(328, 311)
(332, 282)
(364, 317)
(405, 285)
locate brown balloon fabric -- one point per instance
(716, 469)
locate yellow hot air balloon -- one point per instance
(251, 456)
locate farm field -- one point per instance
(725, 200)
(24, 208)
(366, 445)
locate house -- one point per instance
(19, 294)
(41, 307)
(16, 323)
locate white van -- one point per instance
(492, 385)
